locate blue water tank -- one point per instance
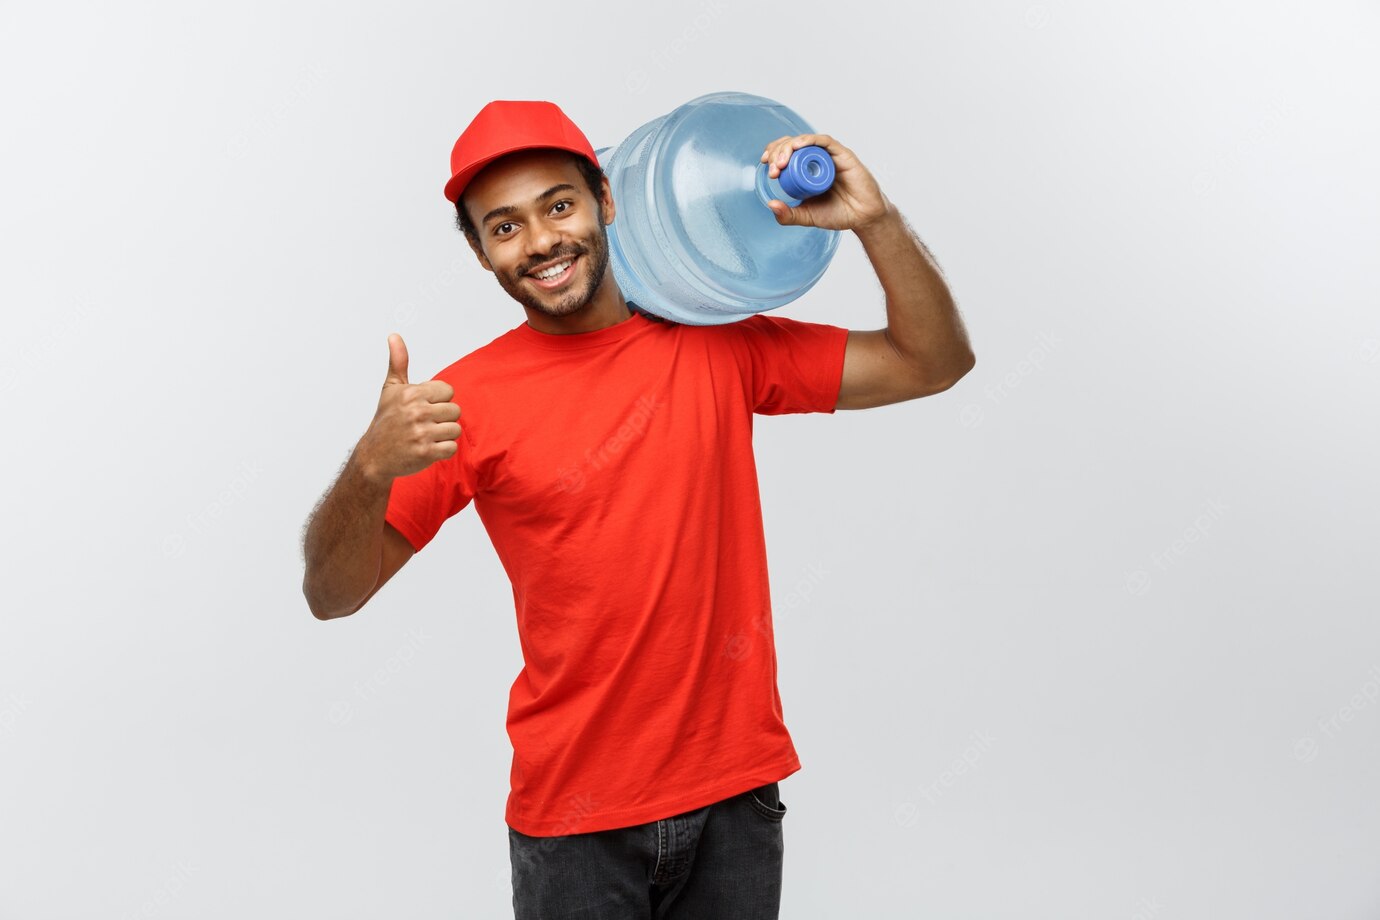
(693, 240)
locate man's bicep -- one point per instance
(875, 374)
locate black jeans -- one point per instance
(720, 861)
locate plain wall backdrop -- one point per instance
(1092, 634)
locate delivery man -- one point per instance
(609, 456)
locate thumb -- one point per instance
(397, 361)
(784, 214)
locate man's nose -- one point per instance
(544, 240)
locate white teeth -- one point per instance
(553, 271)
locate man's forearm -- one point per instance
(344, 542)
(922, 320)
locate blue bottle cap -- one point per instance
(809, 172)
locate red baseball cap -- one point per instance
(502, 127)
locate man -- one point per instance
(609, 457)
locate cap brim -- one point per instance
(457, 182)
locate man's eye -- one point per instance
(568, 205)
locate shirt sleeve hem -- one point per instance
(835, 377)
(410, 531)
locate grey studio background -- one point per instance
(1091, 635)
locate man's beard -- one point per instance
(572, 299)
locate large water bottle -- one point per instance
(693, 240)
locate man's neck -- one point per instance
(608, 308)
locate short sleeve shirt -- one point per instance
(613, 471)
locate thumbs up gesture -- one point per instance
(415, 424)
(397, 361)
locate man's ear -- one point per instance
(474, 241)
(479, 253)
(606, 193)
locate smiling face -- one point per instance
(531, 210)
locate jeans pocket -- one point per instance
(766, 801)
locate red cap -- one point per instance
(504, 126)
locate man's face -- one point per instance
(535, 230)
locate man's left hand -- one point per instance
(853, 202)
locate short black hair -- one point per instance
(593, 174)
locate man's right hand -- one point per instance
(415, 424)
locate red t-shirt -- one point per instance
(614, 473)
